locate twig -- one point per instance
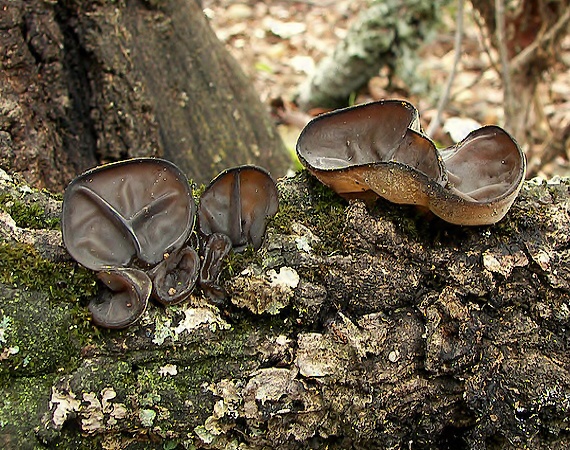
(434, 123)
(484, 35)
(505, 69)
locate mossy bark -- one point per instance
(354, 327)
(87, 82)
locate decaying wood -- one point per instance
(87, 82)
(354, 327)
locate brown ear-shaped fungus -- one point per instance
(136, 208)
(340, 148)
(237, 203)
(215, 250)
(174, 278)
(486, 171)
(377, 147)
(124, 300)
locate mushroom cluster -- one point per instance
(379, 148)
(133, 223)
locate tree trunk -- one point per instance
(533, 33)
(387, 34)
(353, 327)
(87, 82)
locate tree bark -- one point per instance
(88, 82)
(387, 34)
(353, 327)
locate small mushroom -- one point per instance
(123, 300)
(139, 208)
(215, 250)
(378, 147)
(237, 203)
(175, 277)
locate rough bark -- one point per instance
(354, 327)
(387, 34)
(87, 82)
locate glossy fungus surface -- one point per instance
(175, 277)
(379, 147)
(237, 203)
(124, 299)
(133, 222)
(141, 208)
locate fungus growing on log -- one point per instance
(139, 208)
(215, 250)
(174, 278)
(132, 221)
(125, 299)
(378, 147)
(237, 203)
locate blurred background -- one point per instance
(306, 57)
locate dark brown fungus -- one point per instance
(237, 203)
(214, 252)
(486, 172)
(139, 208)
(123, 300)
(341, 147)
(175, 277)
(378, 147)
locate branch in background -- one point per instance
(485, 34)
(384, 35)
(525, 57)
(434, 123)
(503, 54)
(555, 146)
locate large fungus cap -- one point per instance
(237, 203)
(378, 147)
(341, 147)
(174, 278)
(123, 300)
(139, 208)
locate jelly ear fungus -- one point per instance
(136, 209)
(378, 147)
(131, 222)
(233, 213)
(237, 203)
(174, 278)
(124, 301)
(123, 218)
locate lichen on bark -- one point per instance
(400, 330)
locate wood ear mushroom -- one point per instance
(378, 147)
(131, 221)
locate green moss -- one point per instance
(64, 284)
(22, 267)
(28, 214)
(319, 208)
(236, 262)
(20, 402)
(40, 335)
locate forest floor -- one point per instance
(279, 43)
